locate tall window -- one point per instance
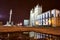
(52, 15)
(47, 15)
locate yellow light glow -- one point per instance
(37, 23)
(49, 21)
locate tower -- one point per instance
(32, 17)
(37, 11)
(34, 13)
(9, 23)
(10, 15)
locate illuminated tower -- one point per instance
(10, 16)
(9, 23)
(31, 17)
(37, 11)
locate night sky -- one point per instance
(21, 8)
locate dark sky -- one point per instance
(21, 8)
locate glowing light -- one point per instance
(37, 23)
(20, 24)
(49, 21)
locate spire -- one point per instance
(10, 16)
(9, 23)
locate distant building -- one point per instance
(26, 22)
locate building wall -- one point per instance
(26, 22)
(34, 13)
(58, 18)
(44, 18)
(55, 18)
(31, 17)
(58, 22)
(49, 18)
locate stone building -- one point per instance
(34, 13)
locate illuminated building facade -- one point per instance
(34, 13)
(26, 22)
(55, 18)
(43, 19)
(49, 18)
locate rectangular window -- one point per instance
(47, 15)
